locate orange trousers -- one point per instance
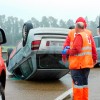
(80, 93)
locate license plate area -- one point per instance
(56, 43)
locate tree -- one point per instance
(87, 21)
(2, 21)
(97, 20)
(69, 23)
(93, 28)
(35, 22)
(13, 26)
(53, 22)
(21, 23)
(45, 22)
(62, 24)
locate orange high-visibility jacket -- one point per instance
(84, 58)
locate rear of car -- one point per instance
(40, 57)
(47, 45)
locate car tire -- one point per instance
(25, 30)
(2, 92)
(8, 54)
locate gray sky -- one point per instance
(61, 9)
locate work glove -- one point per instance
(64, 54)
(64, 51)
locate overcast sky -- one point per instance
(61, 9)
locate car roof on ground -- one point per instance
(50, 30)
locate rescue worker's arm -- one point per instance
(77, 46)
(94, 52)
(67, 42)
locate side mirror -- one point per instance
(2, 37)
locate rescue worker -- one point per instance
(81, 52)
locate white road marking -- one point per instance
(0, 97)
(65, 94)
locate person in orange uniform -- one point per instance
(80, 50)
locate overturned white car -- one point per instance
(38, 54)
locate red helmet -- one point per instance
(81, 19)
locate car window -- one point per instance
(97, 41)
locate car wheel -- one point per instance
(26, 27)
(8, 54)
(2, 92)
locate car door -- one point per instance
(25, 63)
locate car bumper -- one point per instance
(50, 61)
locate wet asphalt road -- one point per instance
(49, 90)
